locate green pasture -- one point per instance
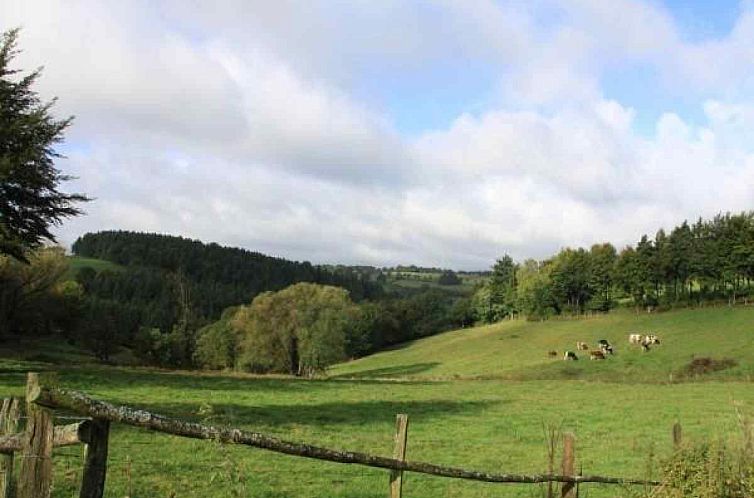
(76, 263)
(518, 349)
(477, 398)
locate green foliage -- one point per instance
(299, 330)
(30, 202)
(711, 260)
(217, 343)
(35, 298)
(708, 470)
(449, 277)
(534, 293)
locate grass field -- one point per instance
(517, 350)
(489, 417)
(76, 263)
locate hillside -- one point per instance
(518, 349)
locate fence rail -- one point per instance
(94, 434)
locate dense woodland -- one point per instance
(176, 302)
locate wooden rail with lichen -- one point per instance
(99, 410)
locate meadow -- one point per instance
(477, 398)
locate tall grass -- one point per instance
(716, 468)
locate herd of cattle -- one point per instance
(605, 348)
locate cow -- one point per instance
(582, 346)
(552, 354)
(597, 354)
(570, 356)
(635, 338)
(605, 346)
(648, 340)
(652, 339)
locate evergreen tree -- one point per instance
(30, 202)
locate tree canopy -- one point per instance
(30, 202)
(299, 330)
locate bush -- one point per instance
(709, 470)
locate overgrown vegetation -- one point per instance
(722, 467)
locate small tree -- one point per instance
(30, 202)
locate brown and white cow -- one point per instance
(597, 354)
(582, 346)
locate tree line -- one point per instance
(709, 260)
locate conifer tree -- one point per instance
(30, 202)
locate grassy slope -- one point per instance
(76, 263)
(518, 350)
(491, 425)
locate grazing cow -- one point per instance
(570, 356)
(648, 340)
(635, 338)
(582, 346)
(597, 355)
(606, 348)
(552, 354)
(652, 339)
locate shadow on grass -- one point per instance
(96, 379)
(351, 413)
(387, 372)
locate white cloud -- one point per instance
(246, 124)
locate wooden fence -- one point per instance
(36, 443)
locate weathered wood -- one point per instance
(35, 479)
(95, 462)
(84, 405)
(568, 490)
(63, 435)
(677, 435)
(8, 425)
(399, 453)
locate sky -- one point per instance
(438, 133)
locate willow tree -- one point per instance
(299, 330)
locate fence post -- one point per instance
(8, 425)
(35, 479)
(677, 435)
(399, 453)
(95, 460)
(568, 490)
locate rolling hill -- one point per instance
(517, 350)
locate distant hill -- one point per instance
(518, 349)
(155, 269)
